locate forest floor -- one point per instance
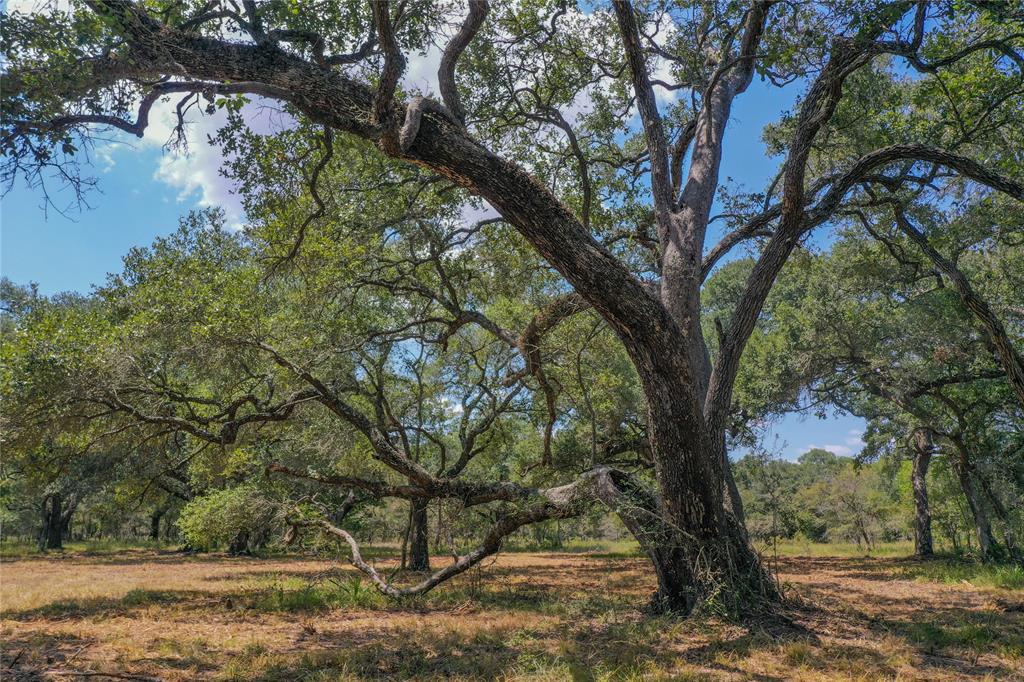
(149, 614)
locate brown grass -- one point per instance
(527, 616)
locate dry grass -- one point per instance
(525, 617)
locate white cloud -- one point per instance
(841, 450)
(194, 170)
(421, 74)
(855, 438)
(193, 173)
(663, 72)
(471, 214)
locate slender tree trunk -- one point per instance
(419, 554)
(867, 538)
(982, 526)
(404, 564)
(1009, 537)
(154, 523)
(239, 544)
(67, 515)
(923, 449)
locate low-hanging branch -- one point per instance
(601, 485)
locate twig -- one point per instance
(117, 676)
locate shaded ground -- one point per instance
(528, 616)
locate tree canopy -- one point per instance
(369, 331)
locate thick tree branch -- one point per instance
(661, 181)
(394, 64)
(601, 485)
(446, 71)
(334, 99)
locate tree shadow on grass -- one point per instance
(637, 647)
(959, 634)
(25, 654)
(89, 607)
(580, 622)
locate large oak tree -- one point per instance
(536, 114)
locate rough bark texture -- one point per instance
(52, 534)
(419, 554)
(923, 449)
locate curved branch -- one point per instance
(384, 450)
(376, 488)
(394, 63)
(446, 71)
(600, 485)
(528, 343)
(661, 181)
(314, 191)
(1009, 356)
(331, 98)
(863, 167)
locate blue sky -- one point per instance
(143, 189)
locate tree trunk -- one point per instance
(239, 544)
(154, 523)
(982, 526)
(419, 554)
(693, 570)
(66, 516)
(51, 535)
(923, 449)
(1009, 537)
(698, 547)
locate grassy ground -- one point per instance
(527, 616)
(837, 549)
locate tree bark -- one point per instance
(697, 545)
(419, 554)
(154, 523)
(52, 533)
(923, 449)
(987, 546)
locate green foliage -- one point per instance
(822, 498)
(217, 352)
(241, 518)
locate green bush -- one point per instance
(240, 519)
